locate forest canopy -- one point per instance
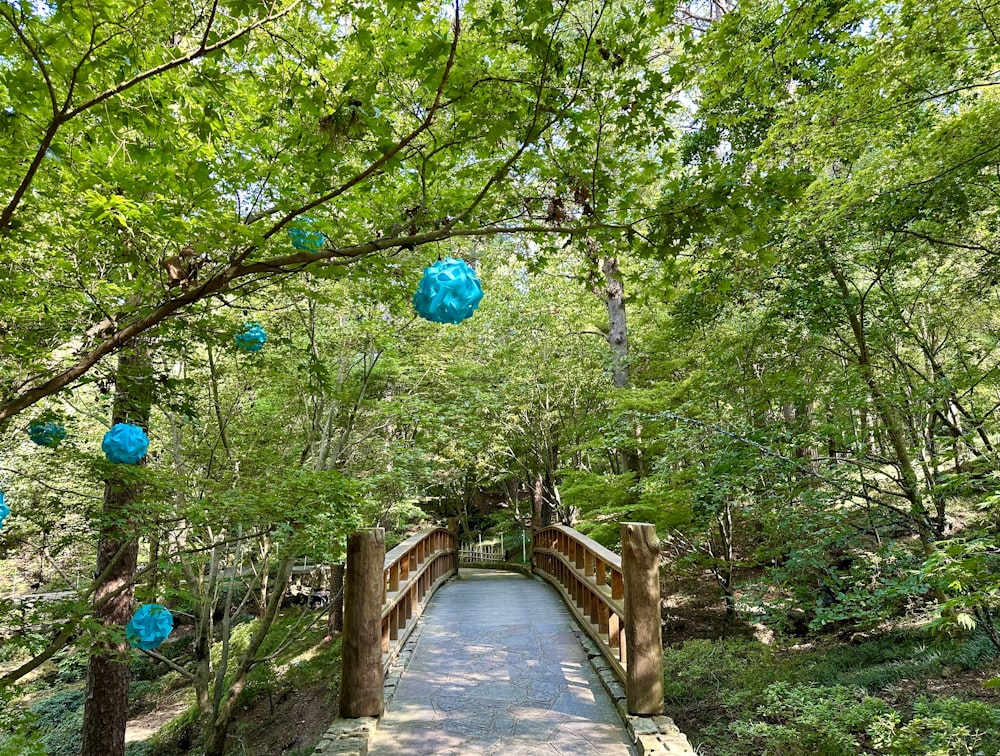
(740, 265)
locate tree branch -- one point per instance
(223, 280)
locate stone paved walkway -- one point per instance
(498, 672)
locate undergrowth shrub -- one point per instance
(72, 665)
(942, 727)
(142, 667)
(60, 722)
(737, 697)
(805, 720)
(703, 669)
(58, 706)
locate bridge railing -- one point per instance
(616, 599)
(384, 595)
(413, 570)
(589, 577)
(472, 552)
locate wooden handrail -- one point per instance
(384, 595)
(615, 599)
(589, 577)
(413, 571)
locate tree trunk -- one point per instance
(217, 729)
(541, 506)
(614, 297)
(908, 482)
(335, 623)
(104, 711)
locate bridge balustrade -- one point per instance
(615, 599)
(384, 596)
(589, 577)
(414, 570)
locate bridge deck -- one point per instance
(497, 670)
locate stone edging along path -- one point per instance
(650, 736)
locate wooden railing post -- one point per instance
(455, 528)
(644, 650)
(536, 523)
(364, 584)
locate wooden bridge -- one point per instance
(498, 666)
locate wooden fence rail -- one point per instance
(471, 552)
(616, 600)
(384, 596)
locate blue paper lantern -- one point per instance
(4, 510)
(149, 626)
(449, 292)
(125, 444)
(46, 434)
(306, 236)
(252, 338)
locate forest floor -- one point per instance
(285, 709)
(291, 723)
(738, 688)
(145, 725)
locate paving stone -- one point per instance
(499, 672)
(666, 724)
(642, 726)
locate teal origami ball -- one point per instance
(252, 338)
(449, 292)
(4, 510)
(125, 444)
(149, 626)
(306, 236)
(46, 434)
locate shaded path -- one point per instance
(498, 671)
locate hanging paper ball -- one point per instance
(46, 434)
(4, 510)
(306, 236)
(449, 292)
(252, 338)
(149, 626)
(125, 444)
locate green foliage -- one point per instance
(967, 570)
(803, 207)
(802, 720)
(19, 733)
(60, 722)
(940, 727)
(602, 501)
(838, 585)
(72, 665)
(138, 690)
(837, 700)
